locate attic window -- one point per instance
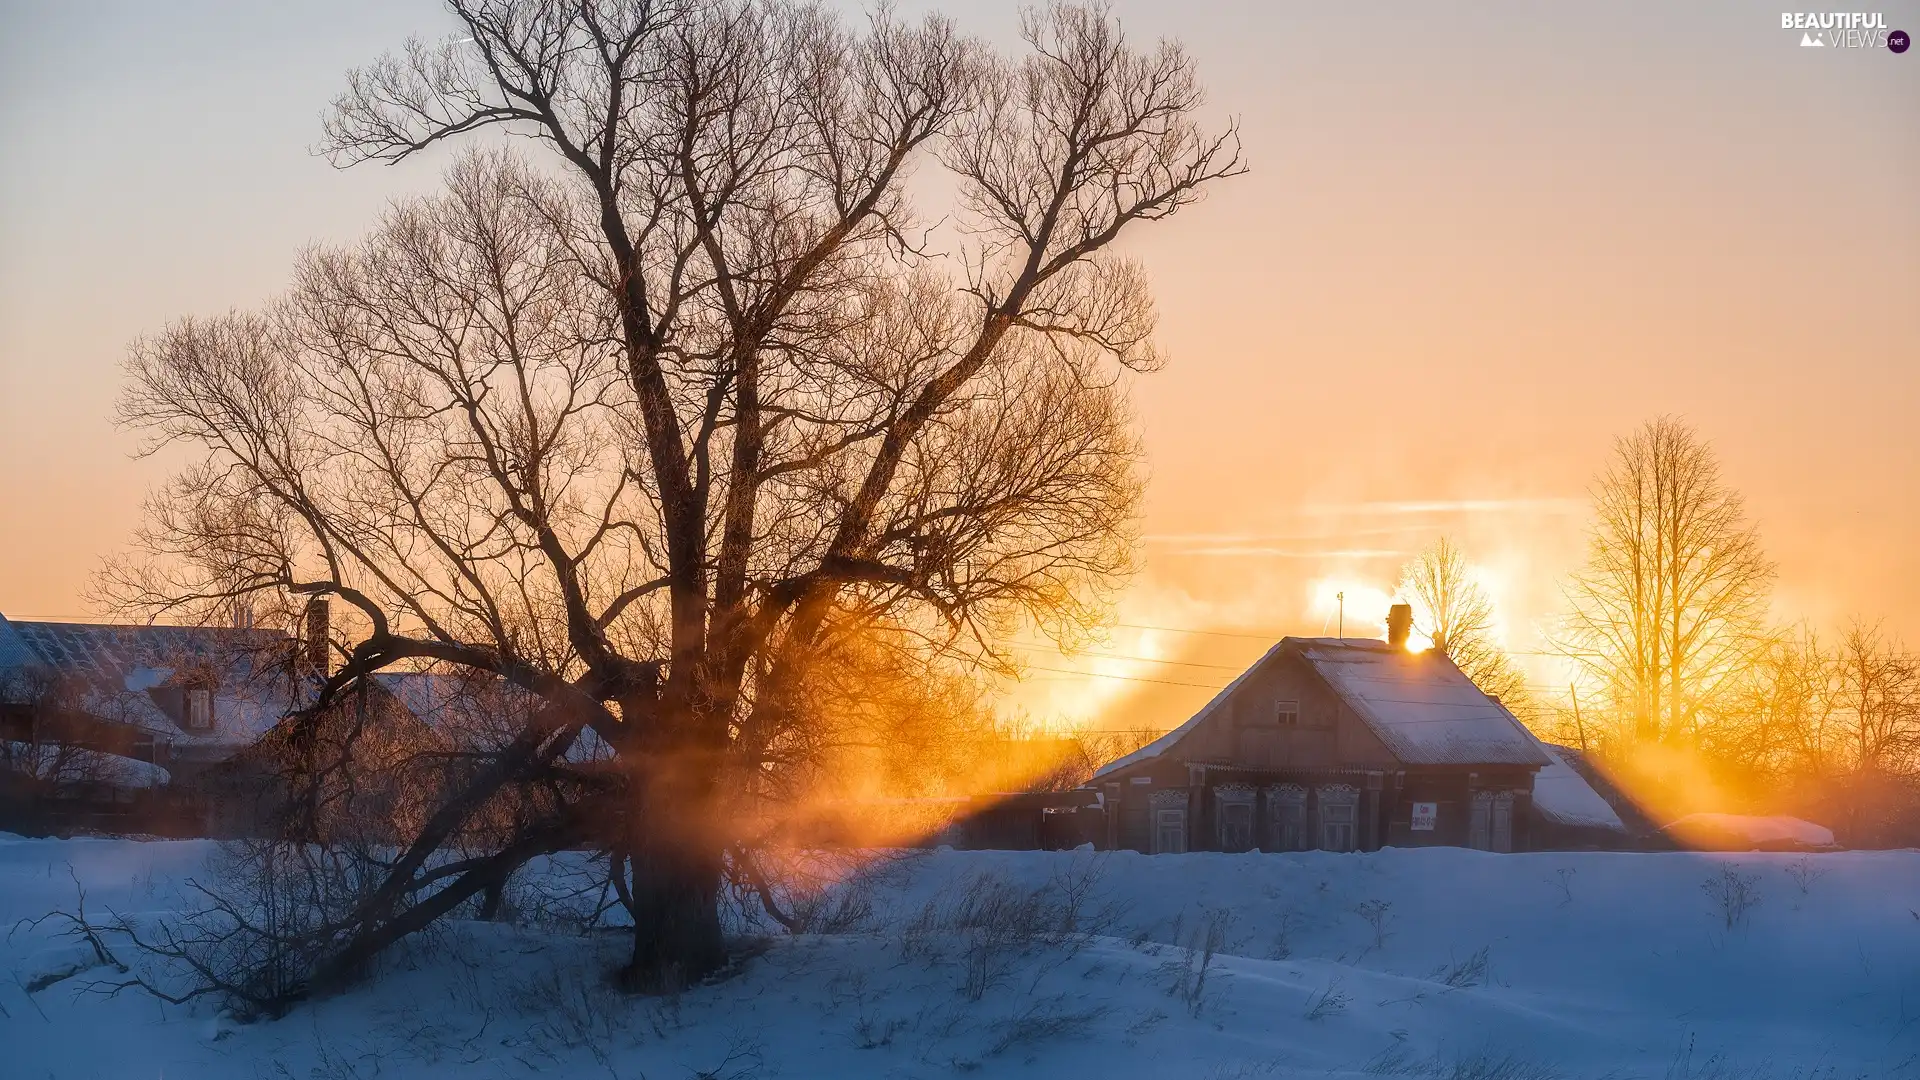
(199, 709)
(1286, 713)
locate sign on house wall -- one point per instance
(1424, 815)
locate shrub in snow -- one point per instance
(1328, 1001)
(1377, 913)
(1188, 973)
(989, 927)
(1733, 893)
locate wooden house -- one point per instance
(107, 726)
(1336, 744)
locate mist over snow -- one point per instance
(1435, 962)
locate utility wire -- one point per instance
(1136, 659)
(1129, 678)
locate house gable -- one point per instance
(1244, 725)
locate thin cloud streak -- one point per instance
(1556, 506)
(1260, 551)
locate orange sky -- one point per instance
(1475, 246)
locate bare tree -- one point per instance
(1780, 719)
(1455, 612)
(1668, 612)
(654, 426)
(1877, 699)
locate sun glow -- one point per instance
(1349, 607)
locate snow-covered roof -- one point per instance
(115, 667)
(1714, 830)
(477, 706)
(1562, 795)
(1419, 704)
(14, 651)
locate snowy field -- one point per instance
(1443, 963)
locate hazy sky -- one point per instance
(1476, 245)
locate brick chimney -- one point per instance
(1399, 625)
(313, 644)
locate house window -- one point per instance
(1502, 829)
(1169, 831)
(199, 709)
(1233, 817)
(1287, 817)
(1339, 817)
(1287, 713)
(1169, 822)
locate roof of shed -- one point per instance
(1562, 795)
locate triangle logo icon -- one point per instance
(1809, 41)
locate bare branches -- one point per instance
(1455, 612)
(1669, 611)
(651, 427)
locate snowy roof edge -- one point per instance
(1166, 742)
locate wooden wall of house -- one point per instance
(1245, 729)
(1452, 790)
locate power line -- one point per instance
(1137, 659)
(1128, 678)
(1209, 633)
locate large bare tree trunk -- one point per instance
(677, 937)
(675, 843)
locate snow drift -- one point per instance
(1429, 962)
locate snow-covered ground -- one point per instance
(1435, 962)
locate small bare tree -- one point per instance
(1877, 700)
(1454, 610)
(1668, 614)
(656, 428)
(1780, 719)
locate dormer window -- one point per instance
(199, 709)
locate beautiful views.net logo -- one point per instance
(1845, 30)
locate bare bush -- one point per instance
(1044, 1020)
(989, 927)
(1734, 895)
(251, 939)
(1281, 947)
(871, 1033)
(1377, 914)
(1804, 873)
(1472, 971)
(1329, 1001)
(1563, 881)
(835, 911)
(1198, 947)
